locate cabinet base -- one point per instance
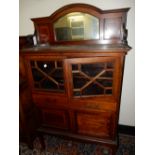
(111, 144)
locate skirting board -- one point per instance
(124, 129)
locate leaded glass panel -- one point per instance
(48, 75)
(93, 78)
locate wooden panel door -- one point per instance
(55, 118)
(96, 124)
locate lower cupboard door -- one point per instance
(55, 119)
(98, 124)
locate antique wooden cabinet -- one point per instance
(75, 72)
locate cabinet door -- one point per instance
(96, 124)
(55, 118)
(46, 74)
(97, 77)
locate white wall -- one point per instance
(40, 8)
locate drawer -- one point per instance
(47, 101)
(55, 118)
(96, 124)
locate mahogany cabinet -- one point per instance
(76, 70)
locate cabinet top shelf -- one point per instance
(78, 48)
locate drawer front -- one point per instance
(46, 101)
(94, 124)
(55, 118)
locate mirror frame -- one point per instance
(45, 30)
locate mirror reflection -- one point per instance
(77, 26)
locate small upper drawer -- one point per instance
(49, 100)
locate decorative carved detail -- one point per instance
(125, 34)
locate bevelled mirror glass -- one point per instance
(76, 26)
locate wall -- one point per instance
(39, 8)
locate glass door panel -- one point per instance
(93, 78)
(48, 74)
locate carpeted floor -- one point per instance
(58, 146)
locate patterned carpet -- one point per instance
(58, 146)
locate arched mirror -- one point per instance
(76, 26)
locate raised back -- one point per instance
(82, 24)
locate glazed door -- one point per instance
(93, 87)
(46, 77)
(96, 77)
(46, 74)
